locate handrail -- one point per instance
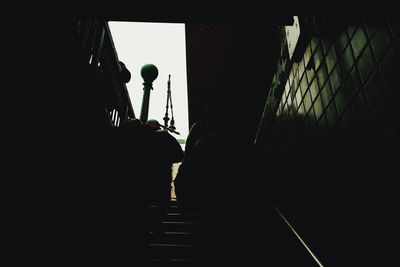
(97, 48)
(125, 105)
(298, 237)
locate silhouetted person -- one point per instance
(133, 143)
(133, 146)
(163, 150)
(218, 177)
(205, 125)
(189, 180)
(124, 74)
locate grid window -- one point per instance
(322, 121)
(307, 55)
(310, 71)
(289, 100)
(284, 101)
(336, 79)
(279, 108)
(326, 44)
(292, 94)
(370, 26)
(301, 68)
(331, 60)
(331, 113)
(374, 91)
(353, 83)
(341, 101)
(314, 90)
(342, 41)
(294, 105)
(318, 57)
(295, 81)
(285, 108)
(298, 96)
(303, 84)
(307, 101)
(347, 59)
(322, 75)
(287, 88)
(301, 109)
(347, 119)
(311, 116)
(318, 107)
(380, 43)
(326, 94)
(314, 44)
(351, 29)
(338, 84)
(292, 89)
(290, 79)
(283, 98)
(366, 64)
(359, 41)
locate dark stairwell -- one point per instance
(324, 153)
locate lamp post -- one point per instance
(149, 73)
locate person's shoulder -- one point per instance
(165, 135)
(162, 132)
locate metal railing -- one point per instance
(97, 48)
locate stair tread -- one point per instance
(179, 242)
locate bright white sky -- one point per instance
(164, 45)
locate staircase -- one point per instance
(176, 241)
(183, 239)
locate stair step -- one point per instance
(173, 207)
(191, 227)
(172, 251)
(183, 216)
(173, 262)
(176, 226)
(185, 238)
(178, 245)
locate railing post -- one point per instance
(149, 73)
(98, 46)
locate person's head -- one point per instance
(125, 74)
(153, 124)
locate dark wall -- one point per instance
(231, 66)
(332, 148)
(254, 57)
(52, 115)
(61, 185)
